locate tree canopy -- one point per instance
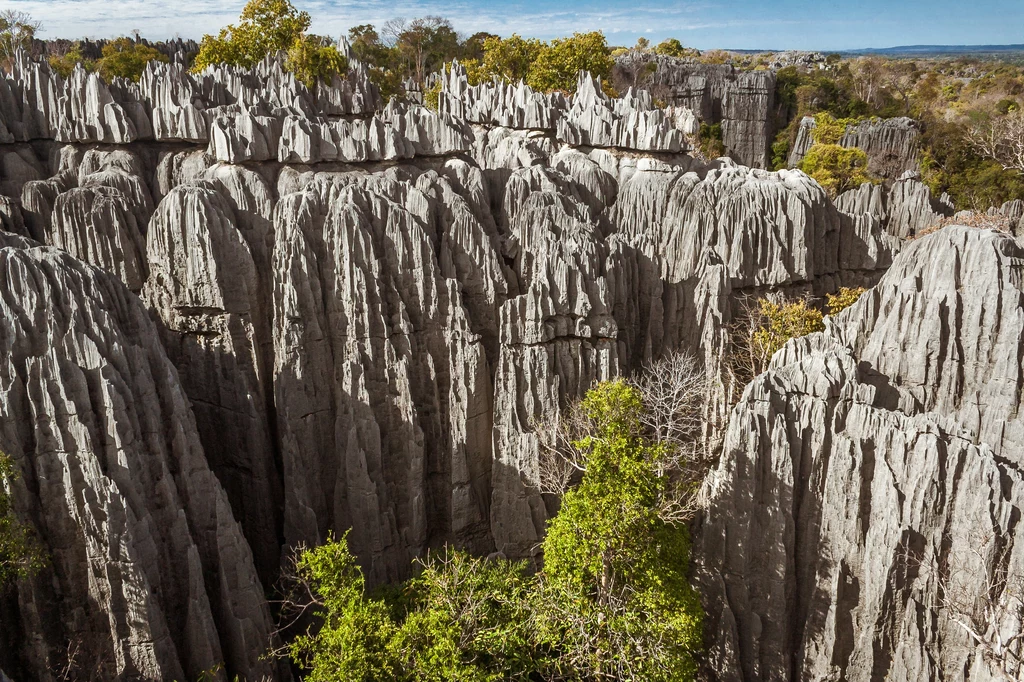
(266, 27)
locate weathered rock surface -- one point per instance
(869, 460)
(354, 317)
(149, 575)
(904, 207)
(742, 101)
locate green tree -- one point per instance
(615, 600)
(20, 555)
(673, 48)
(125, 58)
(267, 27)
(17, 30)
(512, 58)
(836, 168)
(612, 602)
(380, 60)
(64, 64)
(557, 66)
(313, 59)
(423, 45)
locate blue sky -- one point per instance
(749, 24)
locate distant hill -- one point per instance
(939, 50)
(917, 51)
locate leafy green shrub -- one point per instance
(20, 555)
(673, 48)
(710, 137)
(829, 129)
(836, 168)
(612, 602)
(843, 299)
(778, 323)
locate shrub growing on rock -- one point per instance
(836, 168)
(843, 299)
(20, 556)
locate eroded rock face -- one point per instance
(904, 208)
(872, 470)
(356, 320)
(741, 101)
(149, 575)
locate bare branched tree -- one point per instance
(17, 29)
(984, 598)
(1000, 138)
(560, 461)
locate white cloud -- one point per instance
(193, 18)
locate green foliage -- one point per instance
(949, 164)
(780, 152)
(125, 58)
(617, 602)
(461, 618)
(65, 64)
(431, 96)
(20, 555)
(780, 322)
(313, 59)
(710, 137)
(613, 600)
(843, 299)
(828, 129)
(1006, 105)
(355, 639)
(368, 48)
(423, 45)
(836, 168)
(265, 28)
(511, 58)
(673, 48)
(556, 67)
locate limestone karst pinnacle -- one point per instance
(238, 316)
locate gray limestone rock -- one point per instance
(866, 462)
(742, 101)
(149, 574)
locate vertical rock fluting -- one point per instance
(204, 286)
(742, 101)
(148, 574)
(382, 385)
(872, 476)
